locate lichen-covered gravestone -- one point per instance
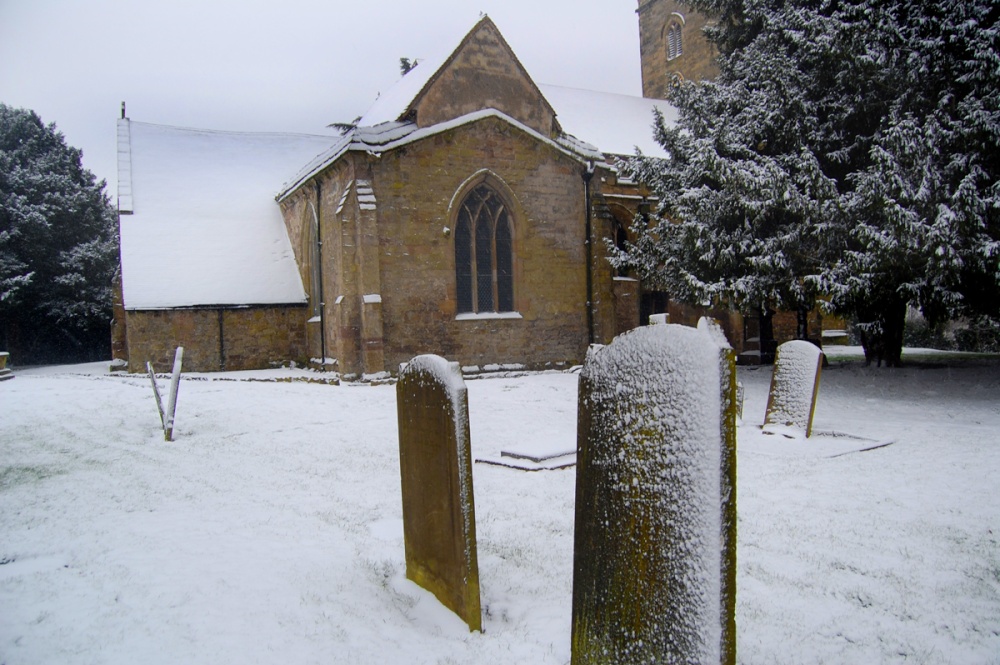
(439, 516)
(654, 569)
(791, 401)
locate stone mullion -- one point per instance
(494, 218)
(473, 230)
(483, 217)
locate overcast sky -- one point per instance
(277, 65)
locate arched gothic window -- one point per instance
(675, 46)
(621, 241)
(484, 253)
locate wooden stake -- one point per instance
(156, 393)
(167, 415)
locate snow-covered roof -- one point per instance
(204, 228)
(595, 124)
(616, 124)
(396, 102)
(392, 104)
(390, 135)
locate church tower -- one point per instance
(672, 46)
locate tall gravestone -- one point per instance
(435, 461)
(791, 401)
(654, 566)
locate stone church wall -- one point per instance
(419, 189)
(216, 339)
(485, 74)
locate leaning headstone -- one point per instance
(655, 541)
(791, 401)
(435, 461)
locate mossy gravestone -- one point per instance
(435, 462)
(654, 566)
(791, 402)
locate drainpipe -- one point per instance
(587, 175)
(319, 273)
(222, 342)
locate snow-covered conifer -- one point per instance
(58, 244)
(846, 149)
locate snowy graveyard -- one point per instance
(271, 528)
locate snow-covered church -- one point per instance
(464, 214)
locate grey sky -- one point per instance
(293, 65)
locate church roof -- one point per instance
(616, 124)
(391, 135)
(199, 226)
(402, 98)
(392, 105)
(592, 124)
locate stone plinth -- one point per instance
(439, 517)
(655, 543)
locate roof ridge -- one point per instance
(241, 132)
(124, 147)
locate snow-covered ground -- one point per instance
(270, 530)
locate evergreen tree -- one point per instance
(58, 246)
(846, 149)
(924, 211)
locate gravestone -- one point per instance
(654, 569)
(791, 401)
(656, 319)
(435, 462)
(712, 327)
(5, 372)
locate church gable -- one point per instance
(483, 73)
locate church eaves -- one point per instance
(389, 136)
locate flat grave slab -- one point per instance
(821, 444)
(535, 457)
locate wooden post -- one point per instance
(168, 425)
(167, 415)
(156, 394)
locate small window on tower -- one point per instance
(674, 43)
